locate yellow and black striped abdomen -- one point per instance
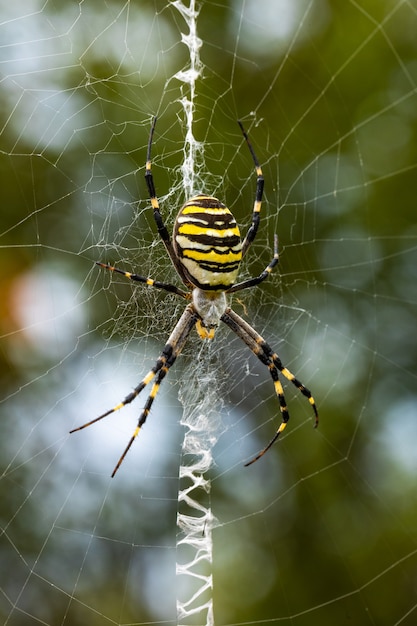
(207, 242)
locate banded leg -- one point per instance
(251, 282)
(168, 356)
(162, 229)
(147, 281)
(251, 234)
(265, 354)
(146, 409)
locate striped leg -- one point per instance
(267, 356)
(163, 371)
(251, 234)
(251, 282)
(162, 229)
(147, 281)
(168, 356)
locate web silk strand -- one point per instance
(194, 520)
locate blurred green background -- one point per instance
(323, 530)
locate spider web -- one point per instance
(323, 528)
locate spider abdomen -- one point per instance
(207, 243)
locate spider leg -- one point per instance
(166, 352)
(162, 229)
(142, 419)
(147, 281)
(251, 234)
(266, 355)
(251, 282)
(167, 358)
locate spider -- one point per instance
(206, 251)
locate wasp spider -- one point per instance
(206, 251)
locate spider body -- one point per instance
(207, 243)
(206, 250)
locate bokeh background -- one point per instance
(324, 528)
